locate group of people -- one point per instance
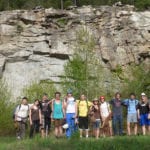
(70, 115)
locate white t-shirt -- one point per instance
(70, 105)
(22, 111)
(104, 107)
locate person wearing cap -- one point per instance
(71, 113)
(83, 107)
(95, 111)
(131, 105)
(105, 115)
(117, 120)
(143, 110)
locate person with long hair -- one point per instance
(144, 113)
(58, 114)
(95, 109)
(35, 118)
(106, 115)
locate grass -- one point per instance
(115, 143)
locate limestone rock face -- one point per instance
(35, 44)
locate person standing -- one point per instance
(46, 115)
(58, 114)
(35, 118)
(95, 110)
(131, 105)
(83, 106)
(117, 120)
(106, 116)
(143, 110)
(71, 113)
(21, 116)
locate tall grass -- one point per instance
(116, 143)
(6, 108)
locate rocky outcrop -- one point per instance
(35, 44)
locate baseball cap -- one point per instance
(143, 94)
(69, 91)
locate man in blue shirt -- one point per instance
(131, 105)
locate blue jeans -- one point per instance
(70, 120)
(117, 124)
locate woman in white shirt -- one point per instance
(105, 115)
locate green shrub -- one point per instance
(6, 109)
(36, 90)
(139, 80)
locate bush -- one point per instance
(139, 80)
(6, 109)
(36, 90)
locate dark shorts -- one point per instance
(58, 122)
(83, 122)
(46, 122)
(144, 120)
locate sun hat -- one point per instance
(143, 94)
(95, 99)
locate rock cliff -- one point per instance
(35, 44)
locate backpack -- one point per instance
(128, 105)
(13, 116)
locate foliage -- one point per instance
(142, 5)
(36, 90)
(62, 22)
(83, 73)
(140, 81)
(6, 107)
(78, 70)
(30, 4)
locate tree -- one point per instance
(82, 72)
